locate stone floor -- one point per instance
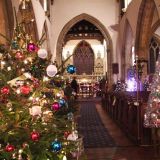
(125, 149)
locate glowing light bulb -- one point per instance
(9, 68)
(25, 61)
(18, 91)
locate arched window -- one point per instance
(154, 49)
(83, 58)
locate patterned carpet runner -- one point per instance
(92, 128)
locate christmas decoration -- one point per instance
(35, 136)
(55, 106)
(25, 89)
(35, 111)
(14, 45)
(56, 146)
(71, 69)
(62, 102)
(5, 90)
(120, 86)
(66, 134)
(10, 148)
(51, 70)
(152, 112)
(31, 47)
(31, 102)
(42, 53)
(19, 55)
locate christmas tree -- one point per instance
(152, 112)
(35, 118)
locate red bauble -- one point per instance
(66, 133)
(5, 90)
(55, 106)
(19, 55)
(35, 136)
(25, 89)
(10, 148)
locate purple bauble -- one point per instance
(31, 47)
(55, 106)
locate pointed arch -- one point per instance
(103, 30)
(144, 23)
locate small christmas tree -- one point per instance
(32, 126)
(152, 113)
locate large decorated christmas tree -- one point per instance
(36, 122)
(152, 114)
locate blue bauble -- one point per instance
(14, 45)
(56, 146)
(71, 69)
(62, 102)
(70, 116)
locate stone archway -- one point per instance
(144, 25)
(103, 30)
(144, 30)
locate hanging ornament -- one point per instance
(56, 146)
(35, 136)
(9, 148)
(19, 55)
(35, 111)
(70, 116)
(5, 90)
(14, 45)
(47, 116)
(9, 106)
(73, 136)
(51, 70)
(62, 102)
(42, 53)
(25, 144)
(71, 69)
(25, 89)
(31, 47)
(55, 106)
(66, 134)
(36, 83)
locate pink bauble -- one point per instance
(31, 47)
(55, 106)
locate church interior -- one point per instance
(80, 79)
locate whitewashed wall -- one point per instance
(106, 11)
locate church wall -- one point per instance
(132, 15)
(105, 11)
